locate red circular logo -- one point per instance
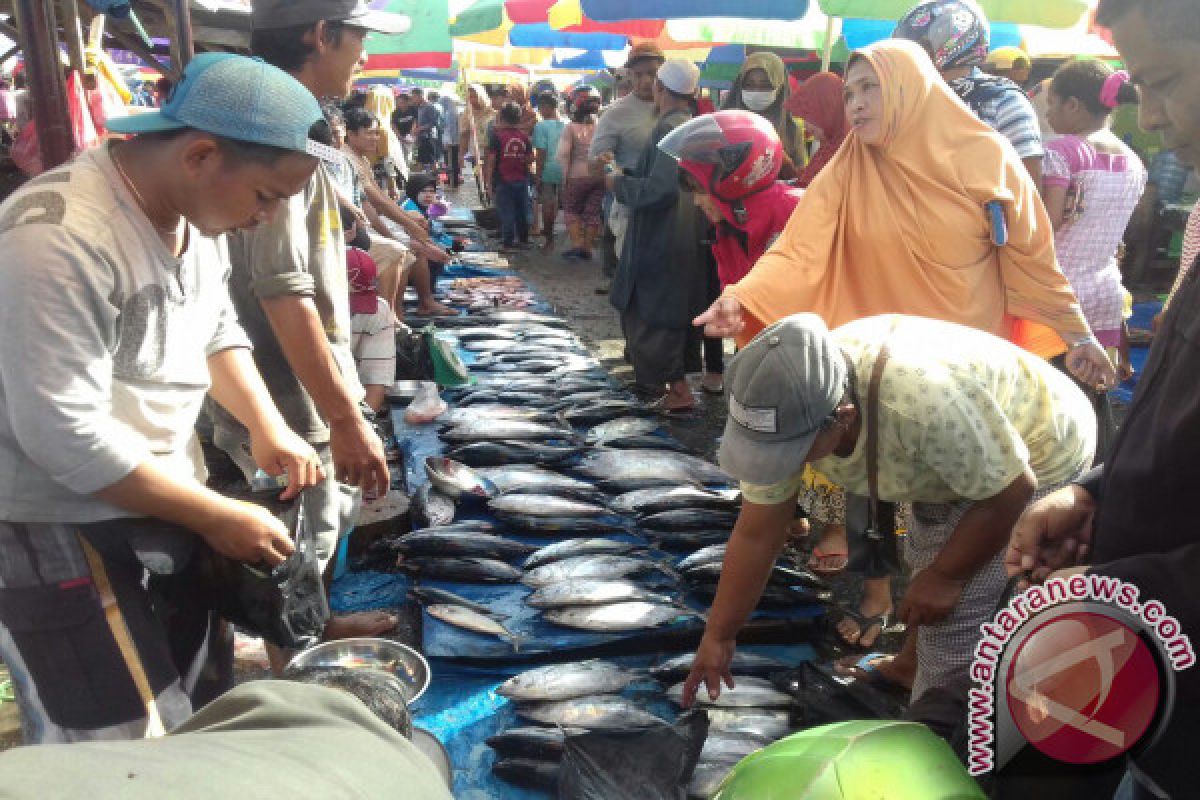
(1083, 688)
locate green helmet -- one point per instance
(854, 760)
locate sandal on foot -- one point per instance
(819, 555)
(885, 622)
(865, 670)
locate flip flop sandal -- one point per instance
(871, 675)
(885, 622)
(660, 406)
(819, 554)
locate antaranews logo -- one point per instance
(1080, 668)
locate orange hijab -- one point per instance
(900, 226)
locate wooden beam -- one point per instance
(72, 34)
(9, 30)
(47, 89)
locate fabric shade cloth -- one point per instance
(803, 34)
(482, 16)
(900, 226)
(567, 15)
(528, 12)
(616, 10)
(1047, 13)
(542, 35)
(427, 43)
(860, 33)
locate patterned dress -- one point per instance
(1102, 190)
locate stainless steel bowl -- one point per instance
(436, 752)
(369, 653)
(403, 390)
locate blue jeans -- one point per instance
(512, 204)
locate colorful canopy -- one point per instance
(1046, 13)
(859, 33)
(542, 35)
(427, 43)
(480, 17)
(802, 34)
(568, 15)
(616, 10)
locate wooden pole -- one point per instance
(183, 45)
(827, 56)
(73, 34)
(47, 89)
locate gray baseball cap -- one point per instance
(781, 388)
(268, 14)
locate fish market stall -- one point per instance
(560, 535)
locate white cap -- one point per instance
(680, 76)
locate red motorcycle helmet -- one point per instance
(733, 154)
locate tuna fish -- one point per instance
(591, 567)
(621, 427)
(677, 668)
(545, 744)
(594, 712)
(655, 500)
(503, 429)
(566, 682)
(592, 593)
(688, 519)
(528, 772)
(495, 454)
(634, 615)
(465, 569)
(430, 596)
(749, 692)
(465, 618)
(543, 505)
(459, 543)
(571, 548)
(518, 476)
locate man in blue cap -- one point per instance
(290, 290)
(116, 324)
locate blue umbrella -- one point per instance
(859, 33)
(617, 10)
(544, 36)
(590, 59)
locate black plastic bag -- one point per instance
(825, 697)
(646, 764)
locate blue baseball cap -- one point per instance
(240, 98)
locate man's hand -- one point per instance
(278, 450)
(358, 457)
(1054, 533)
(711, 665)
(247, 533)
(723, 319)
(1089, 363)
(930, 598)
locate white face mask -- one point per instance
(758, 101)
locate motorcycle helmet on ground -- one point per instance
(853, 760)
(731, 154)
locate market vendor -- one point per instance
(116, 323)
(968, 432)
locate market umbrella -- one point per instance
(427, 43)
(528, 12)
(859, 33)
(542, 35)
(567, 15)
(482, 16)
(616, 10)
(802, 34)
(586, 60)
(1046, 13)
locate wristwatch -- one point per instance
(1089, 339)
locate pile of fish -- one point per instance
(568, 699)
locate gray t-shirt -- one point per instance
(299, 253)
(624, 128)
(104, 341)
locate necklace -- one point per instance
(172, 232)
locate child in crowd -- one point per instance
(506, 174)
(546, 136)
(372, 339)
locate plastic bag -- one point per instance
(648, 764)
(825, 697)
(427, 406)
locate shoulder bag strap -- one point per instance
(872, 423)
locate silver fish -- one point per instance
(594, 712)
(596, 567)
(473, 415)
(641, 469)
(622, 426)
(763, 723)
(729, 747)
(689, 519)
(652, 501)
(634, 615)
(566, 681)
(705, 555)
(498, 429)
(431, 596)
(532, 742)
(707, 779)
(571, 548)
(467, 619)
(544, 505)
(459, 543)
(432, 508)
(749, 692)
(677, 668)
(521, 476)
(592, 593)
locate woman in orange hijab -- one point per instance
(901, 221)
(819, 103)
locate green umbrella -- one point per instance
(481, 17)
(855, 760)
(1047, 13)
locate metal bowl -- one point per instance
(455, 480)
(369, 653)
(436, 752)
(403, 390)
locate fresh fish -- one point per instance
(503, 429)
(486, 345)
(647, 441)
(622, 426)
(590, 567)
(467, 619)
(639, 469)
(430, 507)
(480, 525)
(528, 772)
(595, 412)
(773, 596)
(714, 553)
(707, 779)
(491, 332)
(653, 501)
(531, 365)
(634, 615)
(544, 744)
(519, 476)
(429, 596)
(456, 543)
(749, 692)
(455, 480)
(592, 593)
(763, 723)
(781, 575)
(566, 682)
(473, 415)
(688, 519)
(688, 541)
(571, 548)
(677, 668)
(494, 454)
(564, 526)
(543, 505)
(729, 747)
(594, 712)
(526, 318)
(467, 569)
(591, 496)
(576, 397)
